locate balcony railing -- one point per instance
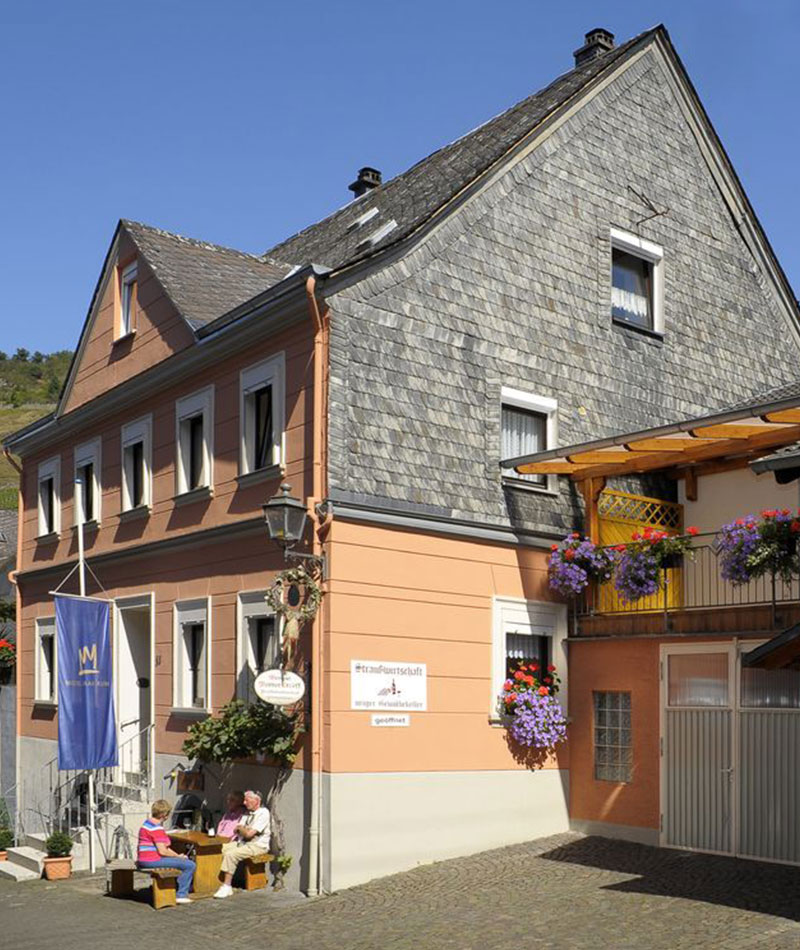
(696, 584)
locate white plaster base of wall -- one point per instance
(608, 830)
(381, 823)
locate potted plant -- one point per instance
(58, 863)
(535, 716)
(282, 864)
(642, 562)
(577, 561)
(6, 842)
(752, 547)
(8, 659)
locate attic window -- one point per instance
(637, 282)
(127, 300)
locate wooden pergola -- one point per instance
(686, 449)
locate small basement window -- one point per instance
(613, 746)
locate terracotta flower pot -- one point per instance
(3, 855)
(57, 869)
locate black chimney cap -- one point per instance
(597, 42)
(366, 180)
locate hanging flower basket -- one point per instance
(642, 562)
(537, 720)
(577, 561)
(8, 660)
(752, 547)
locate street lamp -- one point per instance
(285, 518)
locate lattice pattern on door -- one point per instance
(620, 515)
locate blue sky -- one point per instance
(242, 122)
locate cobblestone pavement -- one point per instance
(562, 892)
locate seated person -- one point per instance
(234, 812)
(154, 850)
(252, 838)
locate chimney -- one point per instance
(598, 41)
(368, 178)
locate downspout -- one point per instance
(12, 576)
(319, 430)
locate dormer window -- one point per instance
(637, 282)
(127, 299)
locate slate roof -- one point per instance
(203, 280)
(776, 394)
(414, 196)
(8, 534)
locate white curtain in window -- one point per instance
(523, 433)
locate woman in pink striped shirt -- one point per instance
(234, 813)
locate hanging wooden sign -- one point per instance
(279, 687)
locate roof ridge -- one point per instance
(197, 242)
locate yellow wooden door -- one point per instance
(620, 515)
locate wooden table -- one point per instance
(207, 854)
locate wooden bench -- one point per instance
(255, 871)
(164, 881)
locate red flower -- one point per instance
(507, 685)
(534, 667)
(575, 535)
(553, 547)
(543, 690)
(551, 668)
(548, 679)
(692, 530)
(512, 697)
(569, 554)
(636, 536)
(785, 511)
(519, 675)
(740, 521)
(529, 680)
(794, 527)
(621, 547)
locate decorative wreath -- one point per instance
(276, 595)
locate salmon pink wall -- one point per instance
(415, 597)
(160, 331)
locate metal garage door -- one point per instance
(730, 764)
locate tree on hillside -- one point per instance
(21, 356)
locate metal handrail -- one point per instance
(699, 586)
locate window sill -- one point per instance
(642, 331)
(527, 486)
(125, 338)
(92, 525)
(50, 538)
(48, 704)
(191, 713)
(133, 514)
(260, 475)
(196, 494)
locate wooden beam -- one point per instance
(550, 468)
(691, 484)
(591, 489)
(783, 415)
(733, 430)
(668, 445)
(717, 450)
(604, 455)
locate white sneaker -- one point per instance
(183, 900)
(225, 890)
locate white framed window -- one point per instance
(192, 655)
(194, 438)
(637, 281)
(127, 299)
(258, 641)
(45, 668)
(136, 441)
(87, 473)
(261, 414)
(528, 424)
(525, 630)
(49, 497)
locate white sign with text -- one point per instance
(390, 686)
(391, 719)
(279, 687)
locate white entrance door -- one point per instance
(134, 687)
(730, 764)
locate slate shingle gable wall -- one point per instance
(514, 290)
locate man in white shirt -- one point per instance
(252, 837)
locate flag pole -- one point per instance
(79, 512)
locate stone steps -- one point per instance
(26, 857)
(16, 872)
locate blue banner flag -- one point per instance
(87, 731)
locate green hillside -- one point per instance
(29, 387)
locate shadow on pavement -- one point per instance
(732, 882)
